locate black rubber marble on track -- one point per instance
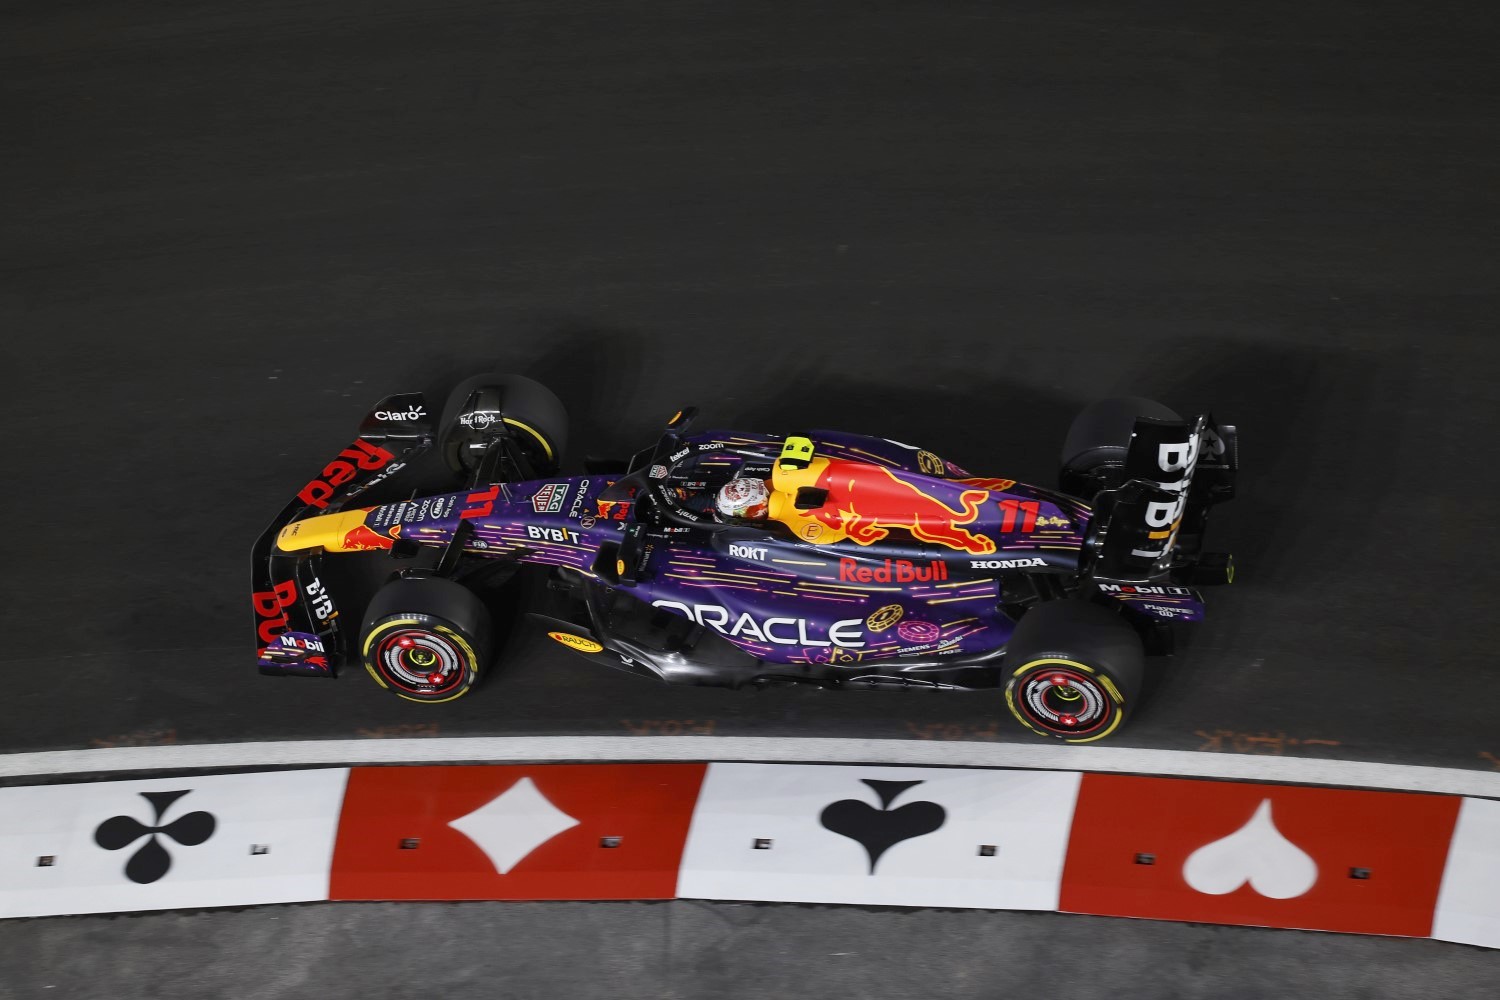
(225, 230)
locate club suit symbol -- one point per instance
(151, 860)
(1256, 853)
(878, 830)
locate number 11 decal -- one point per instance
(1028, 509)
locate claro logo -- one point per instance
(401, 416)
(847, 634)
(359, 455)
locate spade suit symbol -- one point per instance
(878, 830)
(151, 860)
(1257, 853)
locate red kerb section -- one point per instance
(1359, 861)
(395, 840)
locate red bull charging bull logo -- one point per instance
(865, 503)
(362, 539)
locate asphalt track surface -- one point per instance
(230, 230)
(225, 230)
(691, 950)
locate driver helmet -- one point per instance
(744, 499)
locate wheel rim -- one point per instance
(420, 661)
(532, 442)
(1064, 701)
(536, 436)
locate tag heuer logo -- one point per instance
(549, 499)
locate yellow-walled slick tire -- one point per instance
(533, 417)
(425, 639)
(1074, 671)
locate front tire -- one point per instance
(532, 414)
(1074, 671)
(425, 639)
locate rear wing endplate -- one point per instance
(1153, 523)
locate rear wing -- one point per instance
(296, 621)
(1153, 524)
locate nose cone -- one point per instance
(345, 532)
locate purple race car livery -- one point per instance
(862, 562)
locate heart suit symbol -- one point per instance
(878, 830)
(1256, 853)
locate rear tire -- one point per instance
(425, 639)
(1074, 671)
(1093, 454)
(534, 416)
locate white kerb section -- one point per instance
(168, 843)
(1468, 908)
(892, 836)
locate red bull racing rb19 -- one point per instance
(734, 558)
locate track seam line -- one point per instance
(801, 750)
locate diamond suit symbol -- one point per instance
(513, 824)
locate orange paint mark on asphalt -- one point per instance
(1269, 743)
(669, 727)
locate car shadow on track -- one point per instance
(1309, 459)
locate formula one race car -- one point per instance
(869, 563)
